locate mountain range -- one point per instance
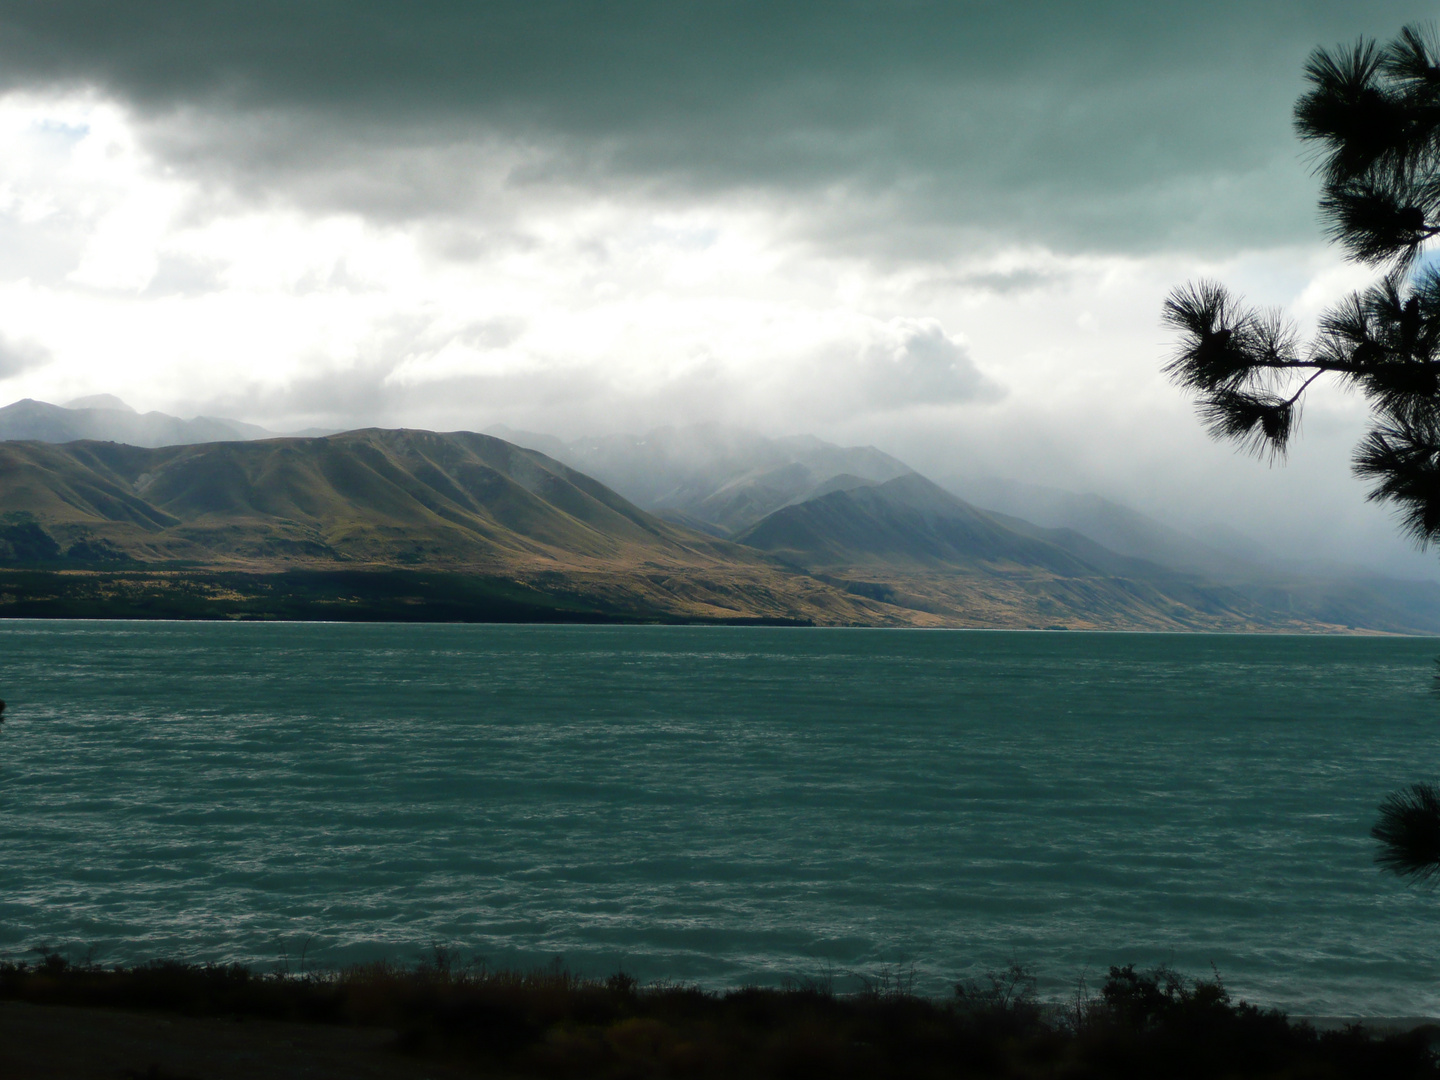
(680, 524)
(458, 504)
(716, 479)
(106, 417)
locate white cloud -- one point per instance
(915, 362)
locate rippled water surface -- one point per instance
(721, 805)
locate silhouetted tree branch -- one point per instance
(1373, 117)
(1409, 832)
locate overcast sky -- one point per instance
(945, 229)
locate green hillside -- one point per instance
(404, 525)
(361, 496)
(460, 503)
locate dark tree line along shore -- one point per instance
(552, 1023)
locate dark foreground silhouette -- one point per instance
(443, 1020)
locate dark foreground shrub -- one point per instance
(1160, 1023)
(552, 1023)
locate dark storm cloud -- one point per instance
(1110, 126)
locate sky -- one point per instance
(943, 229)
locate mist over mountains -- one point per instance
(106, 418)
(704, 522)
(727, 482)
(718, 479)
(724, 480)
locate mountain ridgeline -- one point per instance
(459, 505)
(906, 523)
(717, 479)
(1096, 564)
(108, 418)
(365, 496)
(730, 527)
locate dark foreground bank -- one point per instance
(437, 1019)
(322, 596)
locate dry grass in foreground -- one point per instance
(551, 1023)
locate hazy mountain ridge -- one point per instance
(908, 541)
(726, 480)
(709, 478)
(731, 483)
(43, 422)
(908, 521)
(1117, 528)
(1255, 579)
(464, 503)
(721, 479)
(105, 418)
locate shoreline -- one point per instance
(169, 1021)
(452, 595)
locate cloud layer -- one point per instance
(1114, 126)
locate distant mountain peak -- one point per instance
(715, 477)
(105, 418)
(99, 401)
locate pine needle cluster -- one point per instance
(1373, 115)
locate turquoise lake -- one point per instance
(722, 805)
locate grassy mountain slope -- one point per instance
(368, 495)
(460, 502)
(417, 524)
